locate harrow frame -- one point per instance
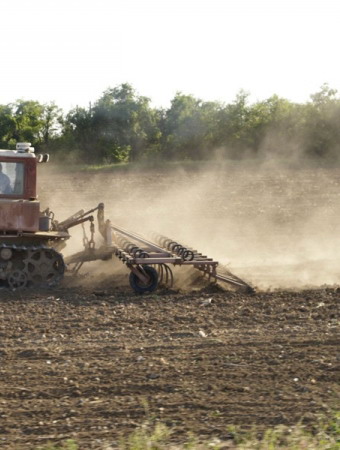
(147, 260)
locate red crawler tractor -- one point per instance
(31, 240)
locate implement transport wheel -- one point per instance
(139, 286)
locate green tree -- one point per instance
(321, 131)
(28, 120)
(189, 127)
(233, 129)
(126, 124)
(272, 124)
(78, 134)
(7, 125)
(51, 123)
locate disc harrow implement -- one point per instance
(149, 261)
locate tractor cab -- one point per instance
(19, 207)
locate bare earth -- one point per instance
(92, 361)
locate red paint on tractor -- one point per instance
(19, 215)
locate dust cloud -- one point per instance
(274, 226)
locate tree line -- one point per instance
(122, 126)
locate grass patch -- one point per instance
(69, 444)
(324, 435)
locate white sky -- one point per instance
(70, 51)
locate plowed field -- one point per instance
(91, 360)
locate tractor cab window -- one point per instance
(11, 178)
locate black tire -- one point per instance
(139, 287)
